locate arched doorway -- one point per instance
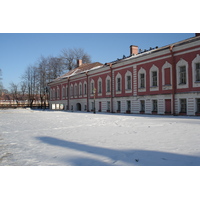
(78, 107)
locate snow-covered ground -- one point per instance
(59, 138)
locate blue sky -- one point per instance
(19, 50)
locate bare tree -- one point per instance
(14, 91)
(29, 78)
(70, 57)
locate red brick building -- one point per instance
(162, 80)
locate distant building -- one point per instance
(162, 80)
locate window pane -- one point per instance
(183, 75)
(197, 71)
(154, 78)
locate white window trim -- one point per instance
(58, 92)
(179, 64)
(85, 92)
(99, 93)
(196, 60)
(91, 89)
(71, 91)
(108, 78)
(66, 91)
(165, 66)
(141, 71)
(116, 88)
(75, 90)
(80, 91)
(128, 73)
(63, 92)
(153, 69)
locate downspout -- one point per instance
(86, 73)
(112, 90)
(173, 79)
(68, 92)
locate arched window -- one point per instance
(182, 74)
(128, 81)
(167, 76)
(92, 86)
(80, 89)
(196, 71)
(85, 88)
(108, 85)
(71, 91)
(75, 90)
(63, 92)
(118, 83)
(142, 80)
(99, 86)
(154, 78)
(58, 92)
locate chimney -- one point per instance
(197, 34)
(133, 50)
(79, 63)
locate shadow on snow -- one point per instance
(113, 157)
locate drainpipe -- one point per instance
(112, 89)
(86, 73)
(173, 79)
(68, 92)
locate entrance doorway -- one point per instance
(168, 106)
(78, 107)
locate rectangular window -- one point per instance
(142, 105)
(80, 89)
(108, 105)
(155, 105)
(183, 105)
(100, 89)
(167, 76)
(154, 79)
(129, 105)
(63, 93)
(108, 85)
(67, 92)
(182, 75)
(198, 105)
(118, 105)
(142, 83)
(92, 88)
(128, 82)
(85, 88)
(118, 84)
(197, 71)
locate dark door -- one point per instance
(167, 106)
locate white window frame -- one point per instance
(108, 92)
(80, 89)
(75, 90)
(196, 60)
(85, 89)
(92, 86)
(100, 91)
(128, 74)
(141, 89)
(179, 64)
(154, 69)
(119, 76)
(165, 66)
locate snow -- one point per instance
(35, 138)
(58, 138)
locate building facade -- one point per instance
(162, 80)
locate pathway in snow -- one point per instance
(33, 137)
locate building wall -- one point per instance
(168, 91)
